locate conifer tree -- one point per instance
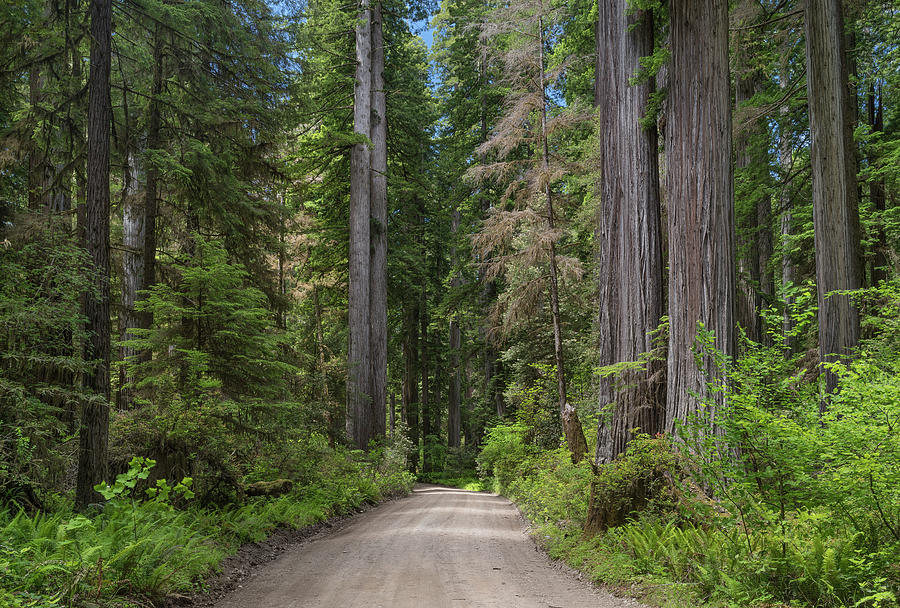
(359, 397)
(93, 435)
(835, 205)
(378, 337)
(700, 200)
(521, 143)
(629, 259)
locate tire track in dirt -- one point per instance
(438, 548)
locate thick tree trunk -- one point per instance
(360, 423)
(630, 270)
(378, 276)
(700, 197)
(835, 210)
(93, 436)
(568, 415)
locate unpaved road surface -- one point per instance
(438, 548)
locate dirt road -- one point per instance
(437, 548)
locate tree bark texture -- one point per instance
(378, 276)
(835, 210)
(630, 269)
(93, 435)
(360, 423)
(700, 197)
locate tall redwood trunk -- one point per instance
(834, 189)
(360, 423)
(93, 435)
(629, 261)
(378, 272)
(700, 197)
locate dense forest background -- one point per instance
(636, 263)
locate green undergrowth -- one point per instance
(140, 548)
(787, 504)
(685, 549)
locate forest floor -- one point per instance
(439, 547)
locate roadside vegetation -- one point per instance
(152, 540)
(781, 507)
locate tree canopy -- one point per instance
(240, 238)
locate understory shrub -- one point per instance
(141, 545)
(782, 506)
(555, 491)
(644, 479)
(505, 456)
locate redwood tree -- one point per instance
(700, 199)
(359, 408)
(834, 189)
(93, 436)
(378, 349)
(629, 260)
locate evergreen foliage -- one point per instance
(229, 176)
